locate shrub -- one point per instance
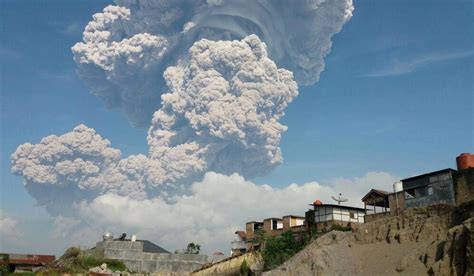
(89, 261)
(74, 260)
(244, 268)
(4, 268)
(277, 250)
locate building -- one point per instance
(269, 226)
(142, 256)
(272, 226)
(430, 188)
(239, 245)
(251, 228)
(293, 222)
(376, 204)
(447, 186)
(24, 262)
(464, 178)
(324, 216)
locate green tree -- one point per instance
(192, 248)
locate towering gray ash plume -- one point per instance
(221, 114)
(127, 47)
(200, 73)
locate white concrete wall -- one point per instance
(299, 221)
(280, 225)
(328, 213)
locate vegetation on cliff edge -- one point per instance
(279, 249)
(74, 260)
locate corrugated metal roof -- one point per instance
(339, 206)
(428, 174)
(375, 191)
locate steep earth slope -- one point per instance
(436, 240)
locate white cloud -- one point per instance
(405, 66)
(355, 188)
(156, 34)
(217, 207)
(59, 169)
(63, 226)
(8, 225)
(74, 232)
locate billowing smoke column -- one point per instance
(127, 47)
(221, 114)
(223, 109)
(77, 165)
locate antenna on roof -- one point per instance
(339, 199)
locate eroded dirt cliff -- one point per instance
(435, 240)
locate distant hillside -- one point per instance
(435, 240)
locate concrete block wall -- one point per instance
(249, 231)
(376, 216)
(267, 225)
(154, 262)
(396, 201)
(464, 186)
(132, 255)
(286, 223)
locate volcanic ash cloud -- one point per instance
(127, 47)
(221, 114)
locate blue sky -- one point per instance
(396, 94)
(411, 118)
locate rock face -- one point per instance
(231, 266)
(102, 269)
(435, 240)
(454, 255)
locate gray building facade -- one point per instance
(431, 188)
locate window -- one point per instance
(352, 214)
(422, 191)
(409, 194)
(257, 226)
(430, 190)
